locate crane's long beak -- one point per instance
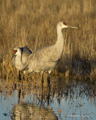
(73, 27)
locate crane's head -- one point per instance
(17, 50)
(63, 24)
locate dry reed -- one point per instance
(33, 23)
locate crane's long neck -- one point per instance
(19, 57)
(60, 41)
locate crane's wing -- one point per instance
(25, 53)
(46, 54)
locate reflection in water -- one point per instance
(66, 99)
(25, 111)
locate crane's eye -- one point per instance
(15, 51)
(64, 23)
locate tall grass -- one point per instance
(33, 23)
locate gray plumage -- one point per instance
(45, 59)
(20, 58)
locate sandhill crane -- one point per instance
(21, 57)
(45, 59)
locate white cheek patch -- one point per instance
(17, 52)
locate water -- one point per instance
(63, 101)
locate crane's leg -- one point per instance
(48, 94)
(42, 79)
(19, 76)
(19, 95)
(48, 79)
(42, 90)
(24, 74)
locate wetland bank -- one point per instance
(33, 23)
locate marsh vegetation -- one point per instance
(33, 23)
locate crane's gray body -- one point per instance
(45, 59)
(20, 60)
